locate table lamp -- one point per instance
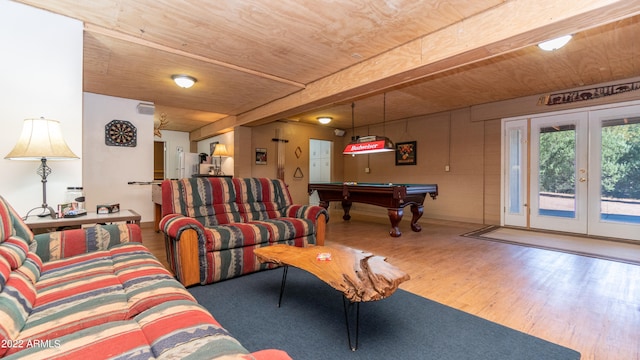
(220, 151)
(41, 139)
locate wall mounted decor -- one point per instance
(588, 94)
(406, 153)
(120, 133)
(261, 156)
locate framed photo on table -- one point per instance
(406, 153)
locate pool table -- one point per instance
(392, 196)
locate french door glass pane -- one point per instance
(557, 187)
(515, 171)
(620, 179)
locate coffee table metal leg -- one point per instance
(284, 280)
(346, 303)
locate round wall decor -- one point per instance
(120, 133)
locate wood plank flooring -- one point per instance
(587, 304)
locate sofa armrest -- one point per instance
(311, 212)
(63, 244)
(318, 214)
(185, 243)
(174, 224)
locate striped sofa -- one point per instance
(97, 293)
(213, 224)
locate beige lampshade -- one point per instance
(41, 138)
(221, 150)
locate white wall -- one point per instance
(41, 62)
(173, 140)
(108, 169)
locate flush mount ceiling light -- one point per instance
(184, 81)
(324, 120)
(555, 44)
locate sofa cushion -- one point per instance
(16, 302)
(31, 267)
(211, 201)
(11, 223)
(145, 281)
(179, 329)
(261, 198)
(14, 250)
(63, 244)
(282, 229)
(112, 340)
(235, 236)
(75, 294)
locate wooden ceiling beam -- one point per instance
(217, 127)
(502, 29)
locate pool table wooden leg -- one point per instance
(417, 211)
(395, 215)
(346, 206)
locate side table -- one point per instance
(47, 223)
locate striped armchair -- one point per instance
(212, 225)
(97, 293)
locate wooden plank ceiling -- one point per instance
(258, 61)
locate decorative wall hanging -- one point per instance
(161, 124)
(298, 174)
(281, 154)
(261, 156)
(588, 94)
(120, 133)
(406, 153)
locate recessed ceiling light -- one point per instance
(324, 120)
(555, 44)
(184, 81)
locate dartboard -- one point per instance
(120, 133)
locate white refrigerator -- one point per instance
(188, 164)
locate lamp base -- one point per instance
(46, 211)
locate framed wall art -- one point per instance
(261, 156)
(406, 153)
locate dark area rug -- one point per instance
(311, 323)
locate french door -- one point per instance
(559, 183)
(615, 134)
(574, 171)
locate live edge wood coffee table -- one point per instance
(358, 275)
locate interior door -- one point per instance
(159, 150)
(319, 164)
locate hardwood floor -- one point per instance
(587, 304)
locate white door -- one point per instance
(319, 164)
(558, 192)
(615, 176)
